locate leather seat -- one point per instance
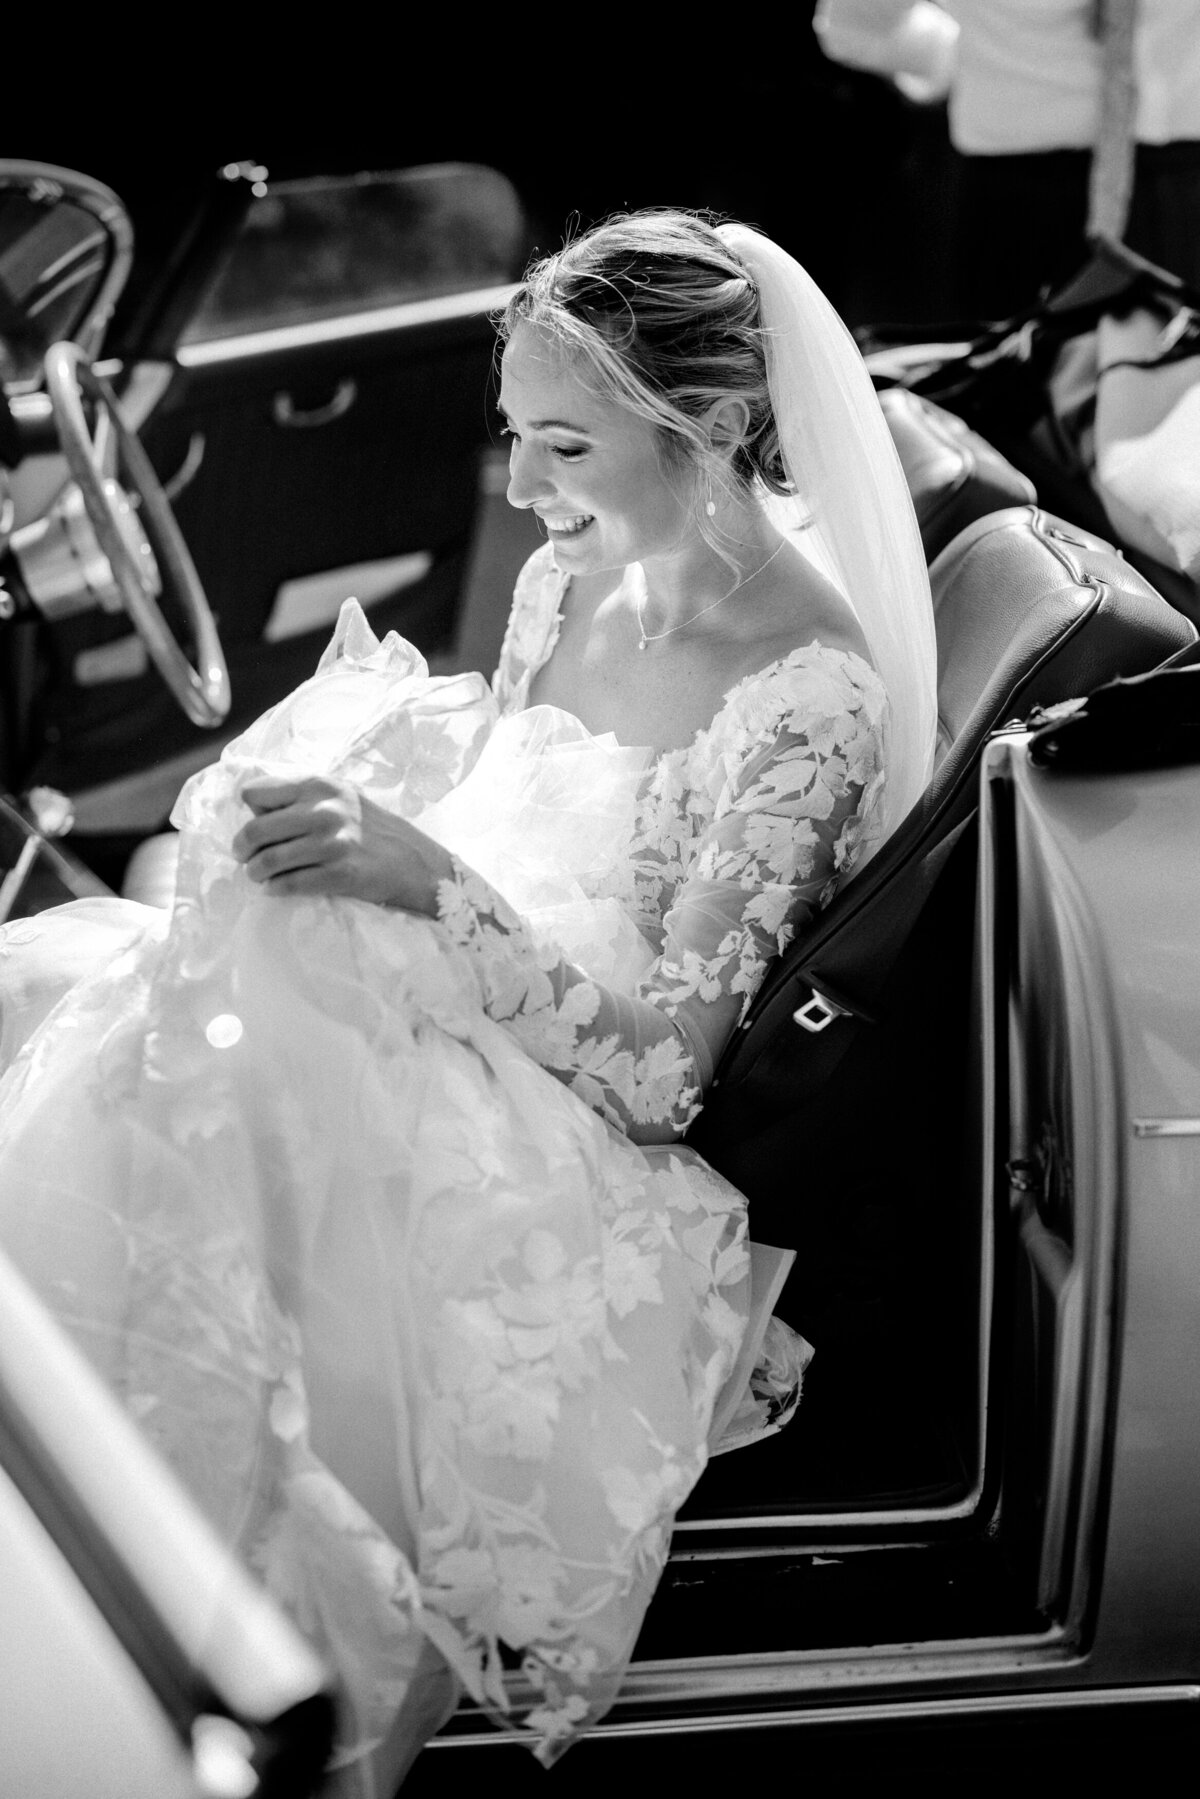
(847, 1140)
(953, 474)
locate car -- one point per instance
(970, 1097)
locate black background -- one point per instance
(587, 113)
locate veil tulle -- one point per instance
(852, 498)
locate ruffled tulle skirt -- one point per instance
(439, 1351)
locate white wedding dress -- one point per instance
(345, 1202)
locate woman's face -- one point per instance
(589, 468)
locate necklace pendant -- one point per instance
(642, 641)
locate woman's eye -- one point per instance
(564, 452)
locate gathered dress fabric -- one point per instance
(380, 1225)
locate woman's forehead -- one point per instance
(537, 372)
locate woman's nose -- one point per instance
(526, 481)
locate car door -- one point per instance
(318, 415)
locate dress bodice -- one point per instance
(740, 836)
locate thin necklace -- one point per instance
(645, 637)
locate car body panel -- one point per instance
(1132, 843)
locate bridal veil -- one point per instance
(852, 500)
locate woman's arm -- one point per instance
(796, 807)
(321, 835)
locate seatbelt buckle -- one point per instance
(818, 1013)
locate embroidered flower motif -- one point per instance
(740, 838)
(638, 1500)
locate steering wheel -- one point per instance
(141, 565)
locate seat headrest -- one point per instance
(1011, 595)
(953, 474)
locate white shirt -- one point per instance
(1024, 74)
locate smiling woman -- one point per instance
(375, 1210)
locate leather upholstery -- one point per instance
(843, 1141)
(953, 474)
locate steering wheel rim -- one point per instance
(202, 690)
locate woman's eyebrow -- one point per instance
(548, 424)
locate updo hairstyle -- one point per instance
(665, 321)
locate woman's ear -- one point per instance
(727, 422)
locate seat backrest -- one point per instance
(1030, 611)
(953, 474)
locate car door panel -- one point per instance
(392, 478)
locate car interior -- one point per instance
(907, 1260)
(871, 1012)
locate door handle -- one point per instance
(285, 411)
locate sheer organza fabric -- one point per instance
(435, 1345)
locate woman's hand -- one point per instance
(323, 836)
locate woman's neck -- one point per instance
(684, 581)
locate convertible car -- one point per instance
(970, 1097)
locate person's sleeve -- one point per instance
(532, 627)
(912, 41)
(798, 786)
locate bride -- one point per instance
(373, 1206)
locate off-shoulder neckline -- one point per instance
(545, 553)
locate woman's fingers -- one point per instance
(274, 827)
(301, 880)
(319, 835)
(271, 792)
(310, 813)
(277, 859)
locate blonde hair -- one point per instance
(666, 320)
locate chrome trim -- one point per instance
(1166, 1127)
(31, 409)
(141, 391)
(717, 1686)
(836, 1521)
(281, 339)
(830, 1550)
(93, 197)
(62, 564)
(924, 1710)
(285, 411)
(817, 1013)
(188, 469)
(18, 874)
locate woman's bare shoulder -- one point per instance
(800, 606)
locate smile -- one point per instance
(566, 526)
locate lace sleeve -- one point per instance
(532, 629)
(796, 773)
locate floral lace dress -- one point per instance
(351, 1210)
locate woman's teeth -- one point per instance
(568, 527)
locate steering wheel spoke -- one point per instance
(113, 474)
